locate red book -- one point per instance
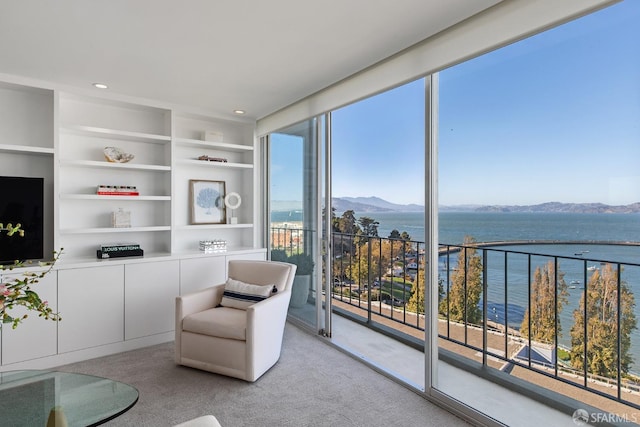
(118, 193)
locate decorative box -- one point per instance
(212, 136)
(211, 246)
(121, 219)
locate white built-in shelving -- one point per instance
(87, 126)
(17, 149)
(27, 134)
(237, 173)
(61, 136)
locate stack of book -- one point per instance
(119, 250)
(117, 190)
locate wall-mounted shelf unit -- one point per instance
(17, 149)
(62, 135)
(237, 173)
(27, 135)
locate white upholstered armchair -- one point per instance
(236, 328)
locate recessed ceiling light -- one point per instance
(239, 111)
(100, 85)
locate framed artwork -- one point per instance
(206, 199)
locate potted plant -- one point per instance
(302, 281)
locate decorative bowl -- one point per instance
(116, 155)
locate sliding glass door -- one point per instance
(294, 187)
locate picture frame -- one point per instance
(206, 200)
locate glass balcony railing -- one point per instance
(563, 322)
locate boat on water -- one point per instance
(575, 282)
(592, 268)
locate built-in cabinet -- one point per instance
(118, 304)
(90, 301)
(35, 337)
(150, 291)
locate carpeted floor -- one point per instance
(313, 384)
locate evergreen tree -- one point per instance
(463, 298)
(405, 236)
(544, 303)
(348, 223)
(395, 234)
(369, 226)
(602, 325)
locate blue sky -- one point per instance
(555, 117)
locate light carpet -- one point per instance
(313, 384)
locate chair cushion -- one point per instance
(223, 322)
(241, 295)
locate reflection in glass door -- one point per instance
(294, 213)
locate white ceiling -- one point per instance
(215, 55)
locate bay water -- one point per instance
(584, 241)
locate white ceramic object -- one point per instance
(232, 200)
(116, 155)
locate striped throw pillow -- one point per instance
(241, 295)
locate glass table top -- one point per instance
(28, 397)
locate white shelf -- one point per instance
(109, 230)
(105, 164)
(117, 134)
(213, 226)
(102, 197)
(25, 149)
(216, 145)
(205, 163)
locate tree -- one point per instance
(602, 325)
(405, 236)
(358, 269)
(544, 304)
(466, 286)
(416, 302)
(369, 226)
(395, 234)
(348, 223)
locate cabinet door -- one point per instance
(150, 292)
(91, 303)
(35, 337)
(200, 273)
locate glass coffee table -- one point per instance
(27, 398)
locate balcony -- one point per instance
(490, 297)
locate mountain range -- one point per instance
(376, 204)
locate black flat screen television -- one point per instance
(22, 201)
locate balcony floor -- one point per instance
(408, 365)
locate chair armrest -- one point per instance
(261, 316)
(198, 301)
(265, 330)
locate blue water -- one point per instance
(497, 226)
(609, 228)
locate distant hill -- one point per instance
(564, 208)
(371, 204)
(362, 205)
(376, 204)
